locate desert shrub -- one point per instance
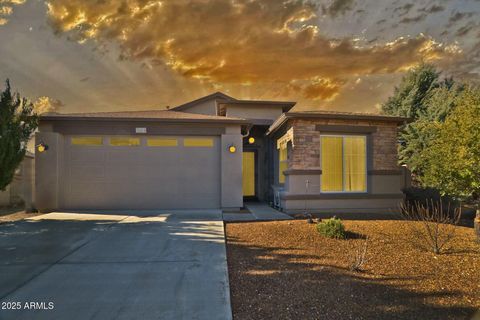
(428, 196)
(331, 228)
(359, 257)
(434, 225)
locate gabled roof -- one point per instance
(286, 105)
(324, 114)
(217, 95)
(147, 115)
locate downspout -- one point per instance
(248, 131)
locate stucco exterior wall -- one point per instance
(253, 111)
(48, 171)
(231, 171)
(336, 206)
(21, 190)
(5, 197)
(208, 107)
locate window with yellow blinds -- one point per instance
(332, 163)
(344, 163)
(124, 141)
(162, 142)
(86, 141)
(282, 163)
(198, 142)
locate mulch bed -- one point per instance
(286, 270)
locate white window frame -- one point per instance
(343, 162)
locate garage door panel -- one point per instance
(87, 172)
(155, 176)
(161, 162)
(126, 156)
(199, 155)
(83, 195)
(119, 196)
(117, 172)
(86, 155)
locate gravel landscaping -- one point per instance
(15, 214)
(286, 270)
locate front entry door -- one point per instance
(248, 171)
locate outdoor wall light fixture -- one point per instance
(251, 140)
(232, 149)
(41, 147)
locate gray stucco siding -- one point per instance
(208, 107)
(333, 206)
(253, 111)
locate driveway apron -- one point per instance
(114, 266)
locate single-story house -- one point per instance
(216, 152)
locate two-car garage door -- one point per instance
(149, 172)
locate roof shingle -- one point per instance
(167, 115)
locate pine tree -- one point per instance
(452, 162)
(427, 101)
(409, 97)
(17, 123)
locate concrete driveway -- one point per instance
(114, 266)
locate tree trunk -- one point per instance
(477, 224)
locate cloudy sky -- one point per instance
(346, 55)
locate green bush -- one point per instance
(331, 228)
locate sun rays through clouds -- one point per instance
(240, 41)
(323, 53)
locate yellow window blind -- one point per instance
(332, 164)
(282, 163)
(355, 164)
(124, 141)
(198, 142)
(344, 162)
(248, 173)
(162, 142)
(86, 141)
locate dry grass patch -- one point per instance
(286, 270)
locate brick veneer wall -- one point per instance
(306, 153)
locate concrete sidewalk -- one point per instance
(114, 266)
(263, 212)
(258, 211)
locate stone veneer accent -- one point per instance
(306, 153)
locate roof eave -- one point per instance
(277, 124)
(298, 115)
(219, 121)
(285, 105)
(349, 116)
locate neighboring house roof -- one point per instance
(286, 105)
(148, 115)
(334, 115)
(216, 95)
